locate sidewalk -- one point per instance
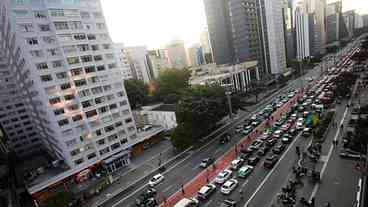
(139, 167)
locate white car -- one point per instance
(300, 124)
(294, 116)
(223, 176)
(156, 180)
(229, 186)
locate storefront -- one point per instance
(117, 161)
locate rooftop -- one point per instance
(165, 107)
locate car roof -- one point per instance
(229, 182)
(245, 168)
(204, 189)
(157, 176)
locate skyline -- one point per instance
(158, 22)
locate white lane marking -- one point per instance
(143, 186)
(208, 203)
(324, 167)
(271, 172)
(167, 188)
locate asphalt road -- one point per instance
(257, 190)
(188, 168)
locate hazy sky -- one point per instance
(155, 22)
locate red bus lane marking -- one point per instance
(191, 188)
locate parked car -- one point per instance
(229, 186)
(286, 138)
(206, 191)
(271, 142)
(247, 130)
(156, 180)
(270, 161)
(223, 176)
(245, 171)
(146, 198)
(236, 164)
(300, 124)
(253, 160)
(263, 150)
(278, 149)
(206, 162)
(293, 132)
(277, 134)
(256, 145)
(187, 202)
(228, 203)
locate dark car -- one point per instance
(256, 145)
(286, 138)
(225, 139)
(253, 160)
(207, 162)
(263, 150)
(278, 149)
(228, 203)
(293, 132)
(270, 161)
(147, 198)
(271, 141)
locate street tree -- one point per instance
(137, 92)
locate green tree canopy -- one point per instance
(137, 93)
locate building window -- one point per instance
(69, 97)
(87, 58)
(56, 12)
(54, 101)
(97, 15)
(101, 142)
(79, 36)
(91, 37)
(86, 104)
(90, 69)
(80, 83)
(62, 75)
(115, 146)
(46, 78)
(95, 47)
(98, 57)
(61, 25)
(84, 93)
(21, 13)
(53, 51)
(78, 161)
(101, 68)
(40, 14)
(57, 63)
(32, 41)
(76, 25)
(26, 27)
(42, 66)
(112, 65)
(76, 71)
(90, 114)
(44, 27)
(104, 151)
(77, 118)
(63, 122)
(59, 111)
(91, 156)
(36, 53)
(97, 90)
(73, 60)
(85, 15)
(65, 86)
(83, 48)
(71, 143)
(49, 39)
(101, 26)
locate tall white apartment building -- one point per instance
(65, 79)
(275, 35)
(302, 31)
(122, 56)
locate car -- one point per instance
(286, 138)
(307, 132)
(254, 118)
(350, 154)
(271, 142)
(285, 127)
(236, 164)
(294, 116)
(270, 161)
(264, 137)
(300, 124)
(223, 176)
(301, 109)
(256, 145)
(305, 114)
(277, 134)
(228, 203)
(255, 123)
(187, 202)
(156, 180)
(278, 149)
(225, 139)
(229, 186)
(206, 191)
(206, 162)
(263, 150)
(146, 198)
(253, 160)
(279, 123)
(245, 171)
(293, 132)
(247, 130)
(239, 128)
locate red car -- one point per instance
(285, 127)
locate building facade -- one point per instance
(158, 61)
(206, 47)
(195, 54)
(137, 59)
(336, 27)
(158, 115)
(302, 31)
(289, 29)
(177, 54)
(122, 56)
(69, 80)
(349, 20)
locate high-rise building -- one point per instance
(302, 27)
(137, 59)
(177, 54)
(124, 64)
(158, 61)
(273, 26)
(365, 20)
(349, 20)
(64, 78)
(206, 47)
(358, 21)
(289, 30)
(195, 54)
(336, 27)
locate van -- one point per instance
(187, 202)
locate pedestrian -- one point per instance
(214, 164)
(182, 189)
(336, 143)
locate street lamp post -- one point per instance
(228, 96)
